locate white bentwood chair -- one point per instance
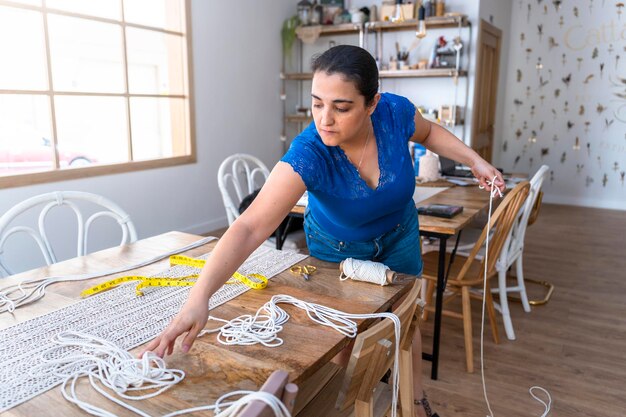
(56, 199)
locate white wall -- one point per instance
(237, 60)
(591, 176)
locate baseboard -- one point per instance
(585, 202)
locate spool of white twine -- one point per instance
(367, 271)
(429, 167)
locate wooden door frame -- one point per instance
(483, 27)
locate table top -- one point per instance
(473, 200)
(213, 369)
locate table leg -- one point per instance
(281, 232)
(441, 284)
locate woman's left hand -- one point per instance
(484, 172)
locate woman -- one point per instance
(355, 163)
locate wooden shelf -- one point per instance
(296, 118)
(426, 73)
(433, 72)
(434, 22)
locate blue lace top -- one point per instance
(339, 199)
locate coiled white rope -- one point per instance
(79, 354)
(495, 190)
(264, 326)
(31, 290)
(367, 271)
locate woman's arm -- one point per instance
(442, 142)
(280, 193)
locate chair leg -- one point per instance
(430, 290)
(406, 381)
(504, 305)
(521, 284)
(467, 329)
(491, 311)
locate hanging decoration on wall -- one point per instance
(566, 80)
(616, 61)
(538, 65)
(527, 91)
(570, 125)
(550, 74)
(518, 133)
(522, 38)
(505, 146)
(541, 126)
(588, 181)
(605, 179)
(599, 161)
(600, 108)
(576, 146)
(563, 157)
(525, 126)
(575, 10)
(540, 31)
(528, 52)
(516, 160)
(533, 137)
(557, 5)
(551, 176)
(601, 69)
(581, 110)
(580, 61)
(544, 152)
(552, 43)
(557, 93)
(619, 6)
(588, 148)
(563, 59)
(621, 175)
(589, 77)
(579, 168)
(553, 114)
(519, 75)
(512, 118)
(555, 138)
(532, 110)
(524, 149)
(518, 103)
(542, 82)
(542, 97)
(590, 6)
(528, 15)
(566, 108)
(594, 54)
(587, 123)
(610, 49)
(608, 123)
(615, 166)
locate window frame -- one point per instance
(63, 174)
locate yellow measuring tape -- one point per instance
(254, 281)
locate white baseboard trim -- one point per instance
(585, 202)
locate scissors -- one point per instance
(304, 270)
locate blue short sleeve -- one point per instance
(404, 114)
(304, 158)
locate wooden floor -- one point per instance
(574, 346)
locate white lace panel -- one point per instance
(117, 315)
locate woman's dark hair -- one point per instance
(355, 64)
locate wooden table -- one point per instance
(213, 369)
(474, 201)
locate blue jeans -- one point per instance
(399, 248)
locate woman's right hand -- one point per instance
(191, 319)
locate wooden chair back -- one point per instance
(503, 217)
(278, 385)
(373, 355)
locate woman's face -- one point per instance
(339, 109)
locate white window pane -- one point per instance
(102, 8)
(23, 50)
(86, 55)
(159, 127)
(164, 14)
(93, 130)
(25, 134)
(29, 2)
(155, 62)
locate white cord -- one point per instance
(495, 190)
(31, 290)
(264, 326)
(364, 271)
(79, 354)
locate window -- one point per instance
(93, 87)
